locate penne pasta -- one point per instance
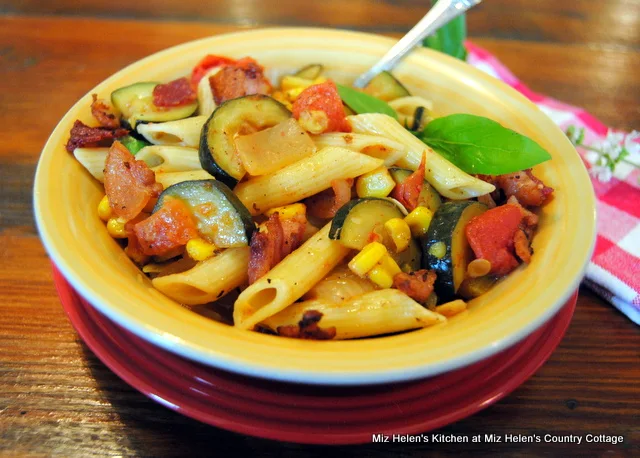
(163, 158)
(378, 312)
(183, 132)
(206, 102)
(209, 280)
(93, 159)
(372, 145)
(448, 179)
(341, 284)
(288, 280)
(304, 178)
(170, 178)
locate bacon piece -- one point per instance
(487, 200)
(174, 94)
(82, 135)
(104, 113)
(418, 285)
(408, 192)
(521, 246)
(307, 328)
(491, 237)
(528, 189)
(323, 97)
(168, 228)
(325, 204)
(129, 183)
(276, 239)
(245, 77)
(207, 63)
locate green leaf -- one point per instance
(133, 144)
(480, 145)
(449, 38)
(364, 103)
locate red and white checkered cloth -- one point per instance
(614, 270)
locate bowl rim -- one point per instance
(274, 370)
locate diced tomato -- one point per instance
(168, 228)
(207, 63)
(323, 97)
(129, 184)
(174, 93)
(491, 237)
(408, 192)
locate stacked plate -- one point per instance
(305, 413)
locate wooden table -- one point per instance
(56, 398)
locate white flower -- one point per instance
(601, 172)
(575, 134)
(632, 144)
(592, 157)
(612, 144)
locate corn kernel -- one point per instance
(282, 98)
(438, 249)
(419, 220)
(115, 228)
(389, 265)
(104, 209)
(314, 121)
(294, 82)
(377, 183)
(292, 94)
(368, 257)
(288, 211)
(399, 233)
(199, 249)
(380, 276)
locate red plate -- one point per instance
(305, 413)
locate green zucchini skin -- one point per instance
(447, 227)
(226, 205)
(310, 72)
(341, 217)
(429, 197)
(386, 87)
(217, 150)
(135, 103)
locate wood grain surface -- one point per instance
(57, 399)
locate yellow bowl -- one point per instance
(66, 196)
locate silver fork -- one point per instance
(441, 13)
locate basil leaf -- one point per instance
(449, 38)
(480, 145)
(364, 103)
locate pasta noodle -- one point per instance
(406, 108)
(162, 158)
(378, 312)
(93, 159)
(206, 102)
(183, 132)
(372, 145)
(341, 284)
(289, 279)
(209, 280)
(170, 178)
(448, 179)
(303, 178)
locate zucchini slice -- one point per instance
(310, 72)
(386, 87)
(429, 197)
(135, 103)
(220, 216)
(358, 218)
(445, 248)
(241, 116)
(474, 287)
